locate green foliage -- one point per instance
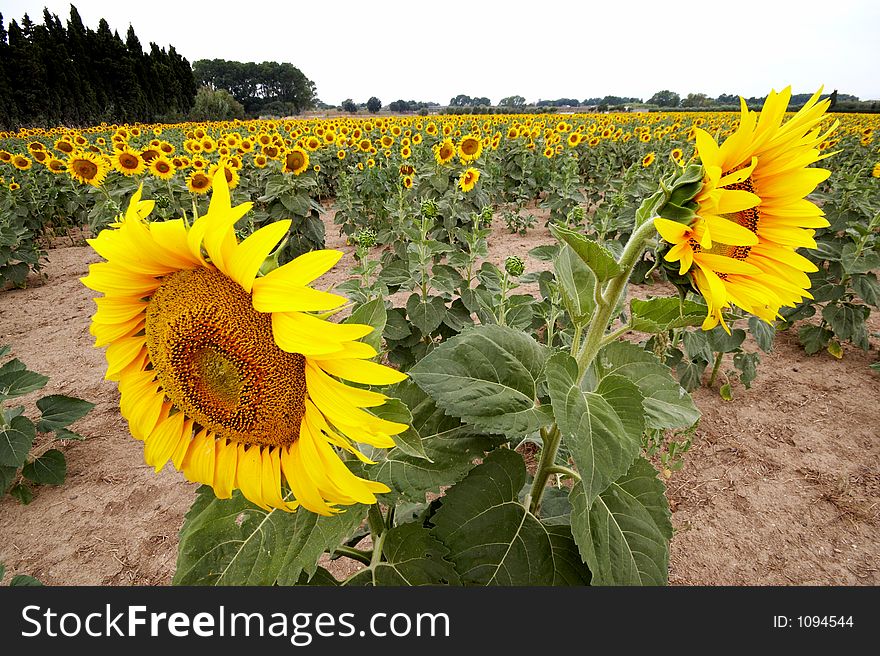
(215, 105)
(20, 461)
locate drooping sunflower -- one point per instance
(128, 162)
(752, 214)
(87, 168)
(468, 179)
(228, 374)
(296, 161)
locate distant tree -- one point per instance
(216, 105)
(374, 105)
(665, 98)
(697, 100)
(349, 106)
(727, 99)
(512, 101)
(461, 100)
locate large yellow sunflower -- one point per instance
(753, 213)
(470, 148)
(228, 374)
(88, 168)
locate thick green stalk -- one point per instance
(552, 439)
(716, 368)
(609, 299)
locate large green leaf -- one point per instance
(592, 253)
(372, 314)
(491, 537)
(49, 469)
(847, 320)
(19, 382)
(602, 430)
(657, 315)
(488, 376)
(15, 441)
(624, 536)
(412, 556)
(569, 568)
(667, 404)
(59, 411)
(426, 314)
(234, 542)
(577, 284)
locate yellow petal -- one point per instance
(249, 475)
(361, 371)
(198, 463)
(276, 295)
(224, 469)
(723, 264)
(249, 256)
(306, 268)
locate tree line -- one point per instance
(56, 74)
(279, 89)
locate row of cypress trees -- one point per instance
(55, 75)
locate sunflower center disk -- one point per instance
(218, 362)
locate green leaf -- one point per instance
(491, 537)
(624, 536)
(602, 430)
(22, 493)
(848, 322)
(15, 441)
(409, 441)
(396, 326)
(20, 382)
(13, 365)
(23, 580)
(747, 364)
(64, 434)
(576, 284)
(657, 315)
(2, 566)
(569, 568)
(722, 342)
(544, 253)
(763, 332)
(835, 348)
(426, 314)
(667, 404)
(49, 469)
(593, 254)
(488, 376)
(371, 314)
(7, 475)
(868, 288)
(690, 373)
(814, 338)
(725, 392)
(234, 542)
(867, 261)
(60, 411)
(413, 556)
(320, 577)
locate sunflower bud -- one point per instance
(514, 265)
(429, 208)
(162, 201)
(365, 238)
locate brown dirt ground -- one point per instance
(781, 485)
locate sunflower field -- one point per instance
(434, 417)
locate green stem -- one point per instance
(716, 367)
(502, 311)
(364, 557)
(610, 337)
(564, 471)
(576, 339)
(552, 439)
(609, 299)
(375, 521)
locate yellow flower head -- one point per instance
(229, 374)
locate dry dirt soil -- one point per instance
(780, 487)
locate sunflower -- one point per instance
(648, 159)
(468, 179)
(198, 182)
(296, 161)
(875, 172)
(231, 174)
(64, 145)
(87, 168)
(5, 156)
(128, 162)
(55, 165)
(229, 375)
(407, 182)
(162, 168)
(14, 186)
(470, 148)
(21, 162)
(444, 151)
(260, 161)
(752, 212)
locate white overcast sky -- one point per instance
(546, 49)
